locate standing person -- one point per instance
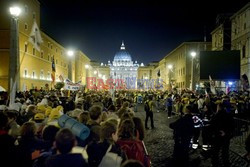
(222, 127)
(148, 107)
(7, 147)
(106, 145)
(183, 132)
(169, 105)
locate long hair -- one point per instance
(126, 130)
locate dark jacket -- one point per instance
(96, 151)
(222, 121)
(183, 128)
(7, 149)
(66, 160)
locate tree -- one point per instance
(59, 85)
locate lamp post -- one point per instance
(193, 54)
(170, 67)
(70, 53)
(14, 65)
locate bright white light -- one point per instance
(230, 83)
(100, 75)
(86, 66)
(70, 53)
(170, 66)
(142, 64)
(95, 72)
(193, 54)
(15, 11)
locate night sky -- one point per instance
(150, 29)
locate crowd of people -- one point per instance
(30, 134)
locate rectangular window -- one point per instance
(48, 76)
(25, 47)
(244, 51)
(42, 54)
(48, 44)
(34, 51)
(41, 75)
(25, 72)
(26, 9)
(33, 74)
(48, 57)
(51, 46)
(26, 26)
(34, 15)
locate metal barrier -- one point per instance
(241, 130)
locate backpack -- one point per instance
(110, 159)
(134, 149)
(146, 107)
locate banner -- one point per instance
(35, 37)
(212, 85)
(69, 85)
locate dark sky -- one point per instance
(150, 29)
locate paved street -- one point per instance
(159, 143)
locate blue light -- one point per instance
(230, 83)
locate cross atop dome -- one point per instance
(122, 46)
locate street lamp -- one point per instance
(70, 53)
(14, 65)
(193, 54)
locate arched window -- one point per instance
(243, 51)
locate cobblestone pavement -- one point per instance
(159, 143)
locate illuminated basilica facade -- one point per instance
(123, 67)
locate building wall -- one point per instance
(81, 72)
(217, 38)
(35, 66)
(241, 37)
(180, 59)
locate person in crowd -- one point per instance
(48, 135)
(139, 128)
(65, 141)
(133, 148)
(88, 103)
(108, 137)
(28, 145)
(95, 113)
(7, 147)
(12, 124)
(84, 117)
(169, 105)
(183, 133)
(148, 107)
(222, 126)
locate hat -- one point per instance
(218, 101)
(39, 116)
(55, 114)
(41, 108)
(48, 111)
(59, 108)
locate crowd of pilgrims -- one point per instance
(31, 136)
